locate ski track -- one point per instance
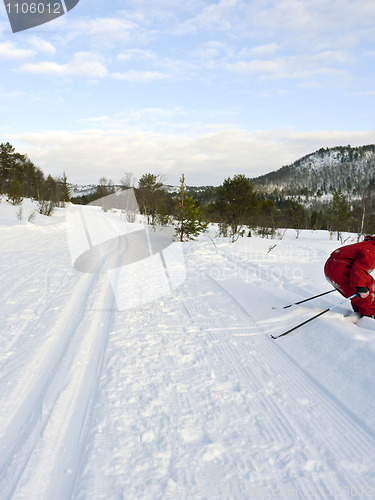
(68, 403)
(27, 282)
(48, 399)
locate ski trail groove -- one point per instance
(65, 430)
(20, 412)
(48, 403)
(53, 465)
(27, 415)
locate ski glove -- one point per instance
(362, 291)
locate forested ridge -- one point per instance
(351, 169)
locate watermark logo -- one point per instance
(26, 14)
(142, 263)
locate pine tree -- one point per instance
(15, 192)
(150, 196)
(237, 202)
(64, 190)
(11, 166)
(189, 220)
(339, 213)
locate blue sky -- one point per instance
(204, 88)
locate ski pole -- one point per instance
(316, 316)
(306, 300)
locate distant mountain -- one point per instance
(352, 169)
(77, 190)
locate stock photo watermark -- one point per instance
(142, 263)
(256, 272)
(26, 14)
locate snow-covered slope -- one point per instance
(346, 168)
(187, 396)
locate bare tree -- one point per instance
(128, 180)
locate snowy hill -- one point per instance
(186, 396)
(346, 168)
(82, 190)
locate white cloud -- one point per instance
(208, 158)
(8, 50)
(162, 11)
(308, 25)
(136, 54)
(167, 121)
(266, 50)
(139, 76)
(41, 46)
(15, 94)
(104, 33)
(312, 24)
(302, 67)
(364, 93)
(213, 16)
(108, 30)
(210, 54)
(83, 64)
(276, 68)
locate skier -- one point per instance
(348, 270)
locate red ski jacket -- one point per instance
(359, 259)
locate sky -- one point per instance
(208, 89)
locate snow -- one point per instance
(186, 396)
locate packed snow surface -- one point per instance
(186, 396)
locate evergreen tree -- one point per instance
(150, 196)
(11, 166)
(29, 185)
(189, 220)
(15, 192)
(339, 213)
(266, 217)
(237, 202)
(64, 190)
(48, 196)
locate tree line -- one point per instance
(237, 206)
(157, 205)
(20, 178)
(239, 209)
